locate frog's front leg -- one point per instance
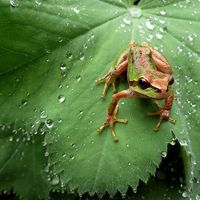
(112, 111)
(164, 112)
(113, 73)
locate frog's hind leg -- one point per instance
(111, 118)
(113, 73)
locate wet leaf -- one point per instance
(51, 54)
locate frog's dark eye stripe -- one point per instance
(143, 84)
(171, 81)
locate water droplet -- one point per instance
(43, 114)
(63, 66)
(185, 194)
(55, 180)
(179, 49)
(149, 37)
(73, 145)
(71, 157)
(11, 139)
(81, 56)
(46, 169)
(60, 39)
(126, 21)
(38, 2)
(127, 145)
(69, 55)
(85, 46)
(135, 12)
(76, 10)
(81, 112)
(164, 154)
(59, 120)
(49, 123)
(46, 154)
(183, 143)
(14, 3)
(149, 25)
(190, 37)
(91, 36)
(162, 21)
(159, 35)
(197, 197)
(78, 78)
(162, 12)
(24, 102)
(173, 142)
(61, 98)
(123, 195)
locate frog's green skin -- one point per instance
(149, 75)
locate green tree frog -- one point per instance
(149, 75)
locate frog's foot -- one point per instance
(110, 121)
(164, 115)
(109, 78)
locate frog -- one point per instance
(149, 75)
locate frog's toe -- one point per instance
(104, 125)
(125, 121)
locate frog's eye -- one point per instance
(171, 81)
(143, 84)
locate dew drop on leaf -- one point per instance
(123, 195)
(81, 56)
(164, 154)
(55, 180)
(135, 12)
(179, 49)
(190, 37)
(38, 2)
(162, 12)
(61, 98)
(76, 10)
(46, 169)
(43, 114)
(159, 35)
(149, 25)
(126, 21)
(183, 143)
(59, 121)
(185, 194)
(162, 21)
(46, 154)
(24, 102)
(78, 78)
(69, 55)
(62, 66)
(13, 3)
(71, 157)
(11, 139)
(197, 197)
(149, 37)
(49, 123)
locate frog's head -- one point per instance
(155, 84)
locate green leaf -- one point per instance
(51, 54)
(22, 161)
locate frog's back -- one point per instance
(139, 60)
